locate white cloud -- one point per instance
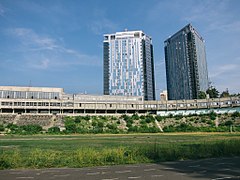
(101, 24)
(2, 10)
(219, 24)
(224, 69)
(233, 27)
(215, 14)
(34, 41)
(43, 52)
(208, 11)
(42, 64)
(226, 76)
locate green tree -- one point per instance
(225, 94)
(202, 95)
(212, 115)
(70, 125)
(213, 92)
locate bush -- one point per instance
(87, 118)
(94, 123)
(112, 126)
(100, 124)
(212, 115)
(159, 118)
(129, 124)
(82, 130)
(203, 120)
(178, 117)
(143, 121)
(192, 120)
(228, 123)
(32, 128)
(125, 117)
(12, 126)
(235, 114)
(210, 123)
(103, 118)
(129, 121)
(169, 128)
(133, 129)
(71, 128)
(77, 119)
(25, 129)
(97, 130)
(2, 127)
(150, 119)
(54, 130)
(135, 117)
(114, 118)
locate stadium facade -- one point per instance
(43, 100)
(186, 66)
(129, 65)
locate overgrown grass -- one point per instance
(82, 157)
(193, 151)
(94, 150)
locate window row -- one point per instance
(28, 95)
(67, 104)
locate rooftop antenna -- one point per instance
(30, 83)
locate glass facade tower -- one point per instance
(186, 66)
(128, 65)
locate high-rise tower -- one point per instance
(186, 66)
(128, 65)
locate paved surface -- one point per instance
(214, 169)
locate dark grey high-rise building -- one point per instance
(128, 64)
(186, 66)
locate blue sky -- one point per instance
(58, 43)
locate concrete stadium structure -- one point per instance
(45, 100)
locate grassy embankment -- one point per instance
(34, 124)
(93, 150)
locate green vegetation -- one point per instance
(188, 128)
(45, 151)
(124, 124)
(212, 115)
(2, 128)
(202, 95)
(54, 130)
(24, 129)
(225, 94)
(213, 92)
(235, 114)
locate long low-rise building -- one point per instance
(45, 100)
